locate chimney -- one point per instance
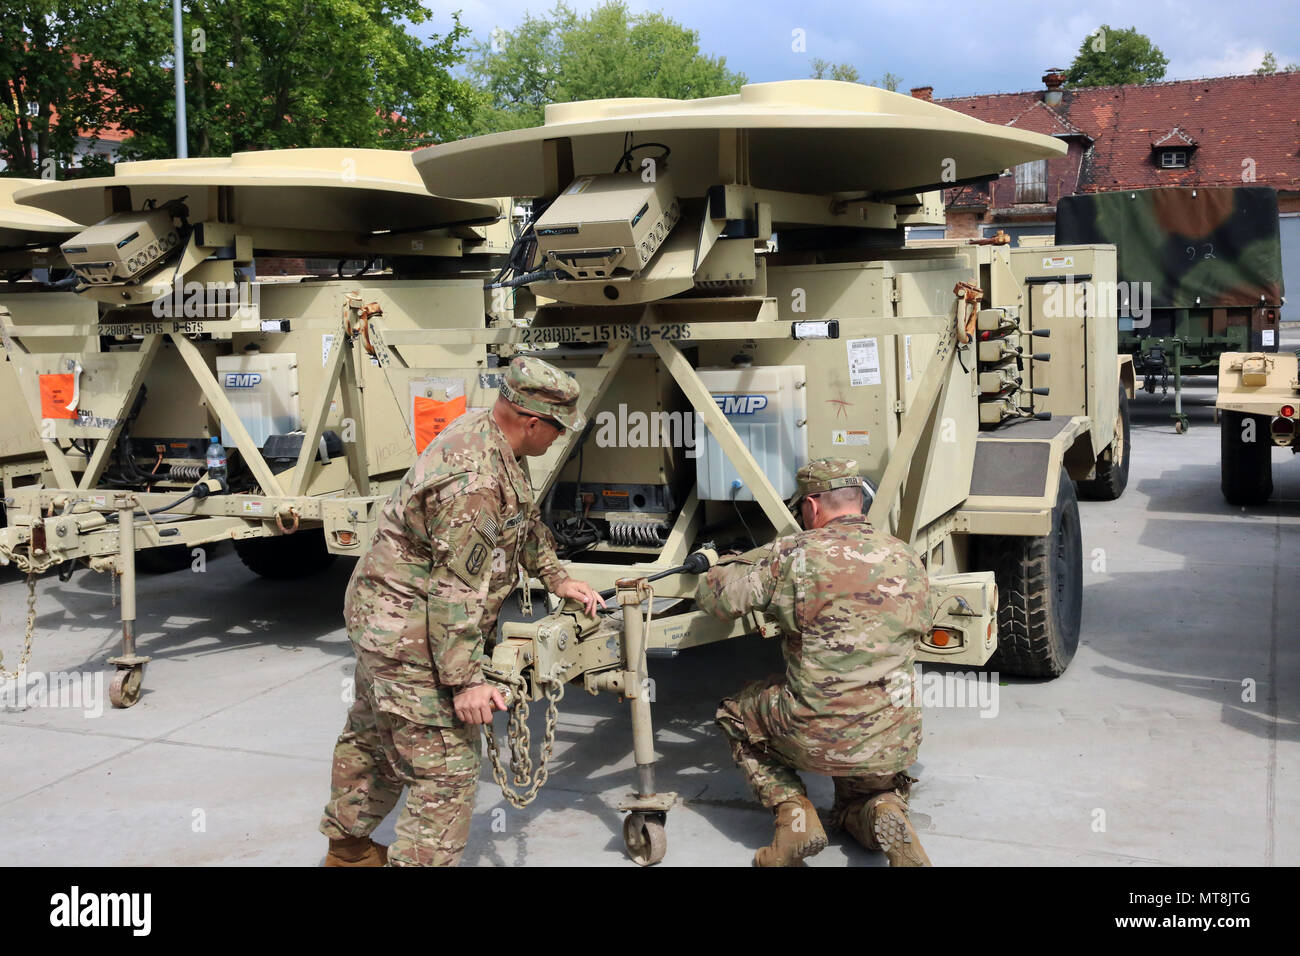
(923, 93)
(1053, 79)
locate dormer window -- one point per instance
(1031, 181)
(1173, 159)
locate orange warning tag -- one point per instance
(56, 393)
(431, 417)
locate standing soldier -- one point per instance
(420, 602)
(851, 602)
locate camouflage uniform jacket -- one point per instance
(851, 602)
(444, 557)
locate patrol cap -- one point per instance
(825, 474)
(543, 390)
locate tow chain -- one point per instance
(521, 761)
(31, 627)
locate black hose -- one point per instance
(193, 492)
(680, 569)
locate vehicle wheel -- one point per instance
(285, 557)
(1246, 467)
(1112, 470)
(644, 837)
(124, 691)
(1040, 592)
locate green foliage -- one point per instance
(565, 57)
(259, 74)
(272, 74)
(889, 82)
(1109, 57)
(825, 70)
(1269, 65)
(50, 89)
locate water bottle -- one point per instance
(217, 461)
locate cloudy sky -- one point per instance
(956, 46)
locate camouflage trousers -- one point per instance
(378, 753)
(769, 750)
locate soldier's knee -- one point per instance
(433, 829)
(729, 719)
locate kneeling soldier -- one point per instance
(851, 602)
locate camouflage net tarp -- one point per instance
(1221, 245)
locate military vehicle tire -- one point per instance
(1246, 468)
(1112, 471)
(1040, 592)
(285, 557)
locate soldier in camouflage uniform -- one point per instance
(444, 557)
(851, 602)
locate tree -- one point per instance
(610, 52)
(269, 74)
(1109, 57)
(889, 82)
(51, 88)
(1269, 65)
(825, 70)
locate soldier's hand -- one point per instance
(583, 592)
(474, 705)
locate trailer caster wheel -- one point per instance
(644, 837)
(124, 691)
(1180, 426)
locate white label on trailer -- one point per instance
(850, 436)
(907, 355)
(1268, 337)
(1058, 262)
(254, 507)
(326, 343)
(864, 361)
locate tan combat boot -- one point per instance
(356, 851)
(881, 824)
(798, 834)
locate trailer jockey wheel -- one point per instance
(124, 691)
(644, 837)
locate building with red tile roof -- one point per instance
(1220, 131)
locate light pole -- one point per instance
(182, 148)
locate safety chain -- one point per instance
(521, 761)
(31, 627)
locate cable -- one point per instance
(624, 163)
(735, 487)
(541, 275)
(193, 492)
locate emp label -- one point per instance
(1058, 262)
(254, 507)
